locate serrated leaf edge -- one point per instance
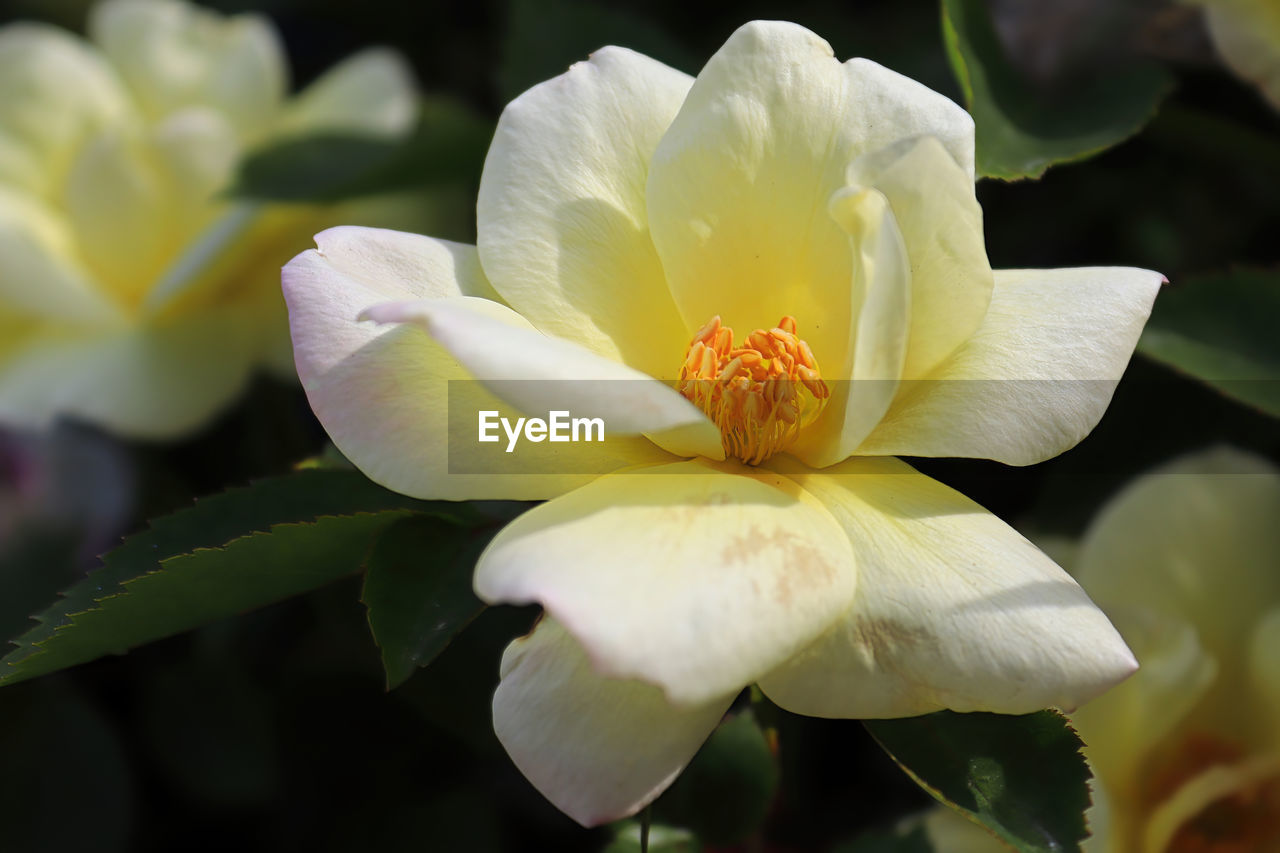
(972, 817)
(9, 668)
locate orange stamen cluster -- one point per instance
(760, 394)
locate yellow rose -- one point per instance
(1186, 754)
(131, 294)
(1246, 34)
(794, 245)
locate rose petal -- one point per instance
(372, 92)
(1195, 541)
(536, 373)
(1124, 725)
(563, 232)
(55, 91)
(694, 578)
(36, 246)
(159, 381)
(1264, 668)
(882, 298)
(739, 186)
(934, 206)
(1247, 37)
(382, 394)
(954, 610)
(176, 55)
(116, 202)
(1036, 376)
(196, 152)
(598, 748)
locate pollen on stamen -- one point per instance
(760, 393)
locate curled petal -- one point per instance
(935, 209)
(535, 373)
(382, 393)
(598, 748)
(882, 295)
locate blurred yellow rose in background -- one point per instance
(132, 294)
(1186, 753)
(1246, 34)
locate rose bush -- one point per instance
(767, 280)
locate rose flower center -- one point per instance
(760, 394)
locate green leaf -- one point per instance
(914, 840)
(1022, 777)
(447, 146)
(36, 561)
(725, 793)
(193, 589)
(1021, 131)
(417, 589)
(1220, 329)
(213, 521)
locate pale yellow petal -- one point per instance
(950, 832)
(563, 229)
(195, 152)
(954, 609)
(1197, 541)
(372, 92)
(174, 55)
(54, 92)
(881, 289)
(116, 202)
(1124, 726)
(739, 186)
(41, 274)
(695, 578)
(155, 382)
(598, 748)
(536, 373)
(1264, 666)
(1037, 375)
(383, 394)
(1246, 33)
(934, 205)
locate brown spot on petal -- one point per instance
(801, 564)
(886, 638)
